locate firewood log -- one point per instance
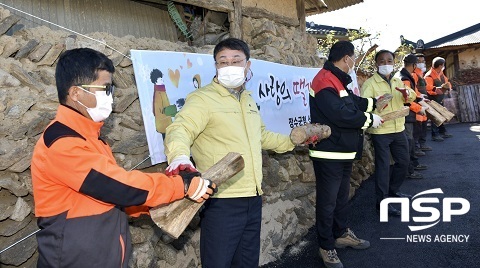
(175, 217)
(402, 112)
(442, 110)
(309, 133)
(432, 114)
(383, 101)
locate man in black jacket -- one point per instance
(405, 74)
(332, 104)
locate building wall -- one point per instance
(116, 17)
(285, 8)
(469, 58)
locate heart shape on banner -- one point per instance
(174, 76)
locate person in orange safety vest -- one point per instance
(420, 129)
(82, 196)
(437, 86)
(406, 75)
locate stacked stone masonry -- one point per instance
(28, 101)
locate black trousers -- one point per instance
(409, 131)
(440, 130)
(388, 182)
(230, 232)
(333, 187)
(420, 134)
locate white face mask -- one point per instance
(231, 76)
(422, 66)
(104, 105)
(385, 69)
(351, 69)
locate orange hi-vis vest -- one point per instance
(81, 194)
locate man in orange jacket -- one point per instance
(405, 74)
(437, 86)
(81, 195)
(420, 129)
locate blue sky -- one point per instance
(414, 19)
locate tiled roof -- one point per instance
(318, 29)
(470, 35)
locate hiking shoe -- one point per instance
(436, 138)
(420, 167)
(425, 148)
(446, 135)
(330, 258)
(419, 153)
(348, 239)
(415, 175)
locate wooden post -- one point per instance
(235, 18)
(301, 16)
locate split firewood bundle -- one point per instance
(309, 134)
(383, 101)
(402, 112)
(436, 112)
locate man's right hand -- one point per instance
(197, 189)
(180, 163)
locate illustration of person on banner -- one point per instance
(219, 118)
(162, 109)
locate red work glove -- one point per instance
(311, 140)
(197, 189)
(180, 163)
(404, 92)
(382, 101)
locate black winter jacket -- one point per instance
(347, 114)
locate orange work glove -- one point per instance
(197, 189)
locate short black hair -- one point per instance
(340, 49)
(410, 60)
(155, 74)
(437, 61)
(233, 44)
(382, 52)
(79, 66)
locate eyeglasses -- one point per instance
(109, 89)
(235, 62)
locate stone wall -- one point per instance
(28, 101)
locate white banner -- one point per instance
(165, 78)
